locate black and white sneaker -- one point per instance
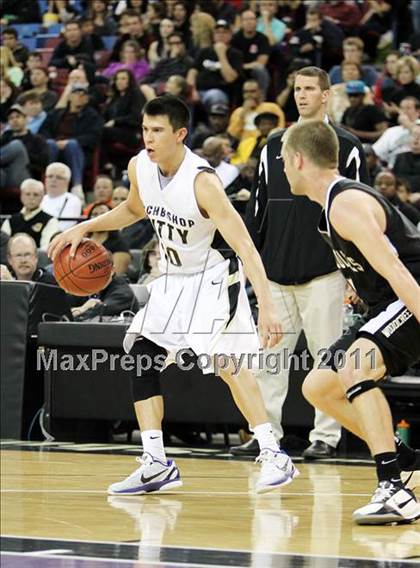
(411, 476)
(390, 503)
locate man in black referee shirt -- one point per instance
(307, 288)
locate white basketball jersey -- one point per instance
(185, 236)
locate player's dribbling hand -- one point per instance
(269, 328)
(71, 237)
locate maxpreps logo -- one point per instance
(343, 261)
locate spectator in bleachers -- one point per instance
(180, 17)
(218, 122)
(387, 80)
(178, 62)
(136, 32)
(155, 12)
(176, 85)
(131, 58)
(255, 48)
(217, 70)
(396, 139)
(8, 95)
(408, 70)
(39, 81)
(35, 145)
(82, 76)
(57, 201)
(404, 192)
(31, 219)
(73, 133)
(353, 51)
(242, 120)
(219, 10)
(338, 100)
(9, 67)
(111, 301)
(22, 12)
(19, 51)
(286, 99)
(386, 184)
(342, 13)
(73, 49)
(160, 48)
(365, 121)
(213, 152)
(151, 262)
(14, 164)
(88, 31)
(122, 115)
(202, 28)
(34, 60)
(407, 164)
(119, 195)
(138, 234)
(374, 23)
(103, 23)
(124, 24)
(31, 104)
(250, 147)
(320, 40)
(61, 11)
(372, 161)
(22, 257)
(111, 240)
(273, 28)
(102, 192)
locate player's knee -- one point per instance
(149, 361)
(310, 387)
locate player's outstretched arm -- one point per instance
(361, 219)
(213, 201)
(121, 216)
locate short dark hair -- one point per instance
(10, 31)
(28, 96)
(173, 107)
(73, 23)
(414, 99)
(179, 35)
(323, 77)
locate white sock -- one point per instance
(265, 437)
(153, 444)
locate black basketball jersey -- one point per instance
(371, 287)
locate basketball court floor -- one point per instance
(55, 513)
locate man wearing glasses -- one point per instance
(22, 258)
(58, 202)
(177, 63)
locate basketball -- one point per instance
(88, 272)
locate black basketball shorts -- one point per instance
(396, 333)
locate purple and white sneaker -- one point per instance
(152, 476)
(277, 469)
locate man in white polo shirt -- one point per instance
(58, 202)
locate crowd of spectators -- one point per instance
(72, 92)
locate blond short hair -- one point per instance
(314, 139)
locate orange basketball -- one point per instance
(88, 272)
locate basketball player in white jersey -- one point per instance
(199, 302)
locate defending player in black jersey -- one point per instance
(378, 251)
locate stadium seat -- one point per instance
(43, 259)
(26, 30)
(135, 268)
(47, 40)
(109, 42)
(141, 293)
(29, 42)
